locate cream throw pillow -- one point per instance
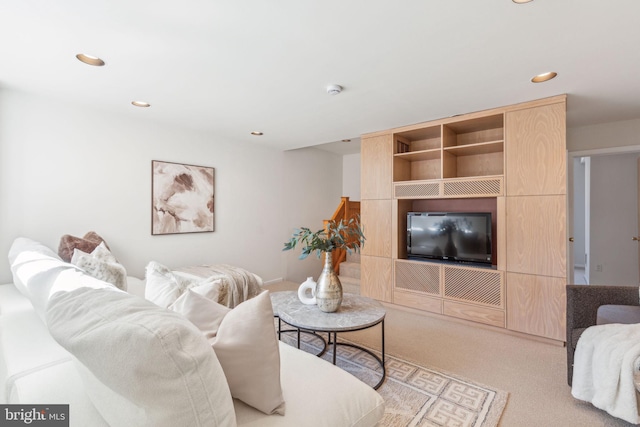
(102, 265)
(143, 363)
(245, 342)
(201, 311)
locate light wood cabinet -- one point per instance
(515, 155)
(376, 164)
(376, 216)
(536, 206)
(536, 154)
(376, 225)
(536, 305)
(474, 313)
(536, 235)
(376, 278)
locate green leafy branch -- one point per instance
(343, 234)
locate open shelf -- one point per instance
(474, 131)
(455, 149)
(414, 156)
(478, 148)
(424, 139)
(425, 165)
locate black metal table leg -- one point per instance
(335, 346)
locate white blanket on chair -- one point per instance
(605, 363)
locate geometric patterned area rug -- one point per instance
(415, 395)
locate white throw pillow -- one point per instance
(102, 265)
(246, 345)
(164, 286)
(143, 363)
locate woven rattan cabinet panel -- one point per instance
(477, 286)
(472, 187)
(417, 190)
(418, 276)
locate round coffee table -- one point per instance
(356, 313)
(282, 299)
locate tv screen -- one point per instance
(453, 236)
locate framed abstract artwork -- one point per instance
(182, 198)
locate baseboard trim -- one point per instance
(271, 282)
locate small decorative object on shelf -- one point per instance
(403, 147)
(345, 235)
(308, 286)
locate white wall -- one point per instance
(311, 195)
(604, 135)
(68, 170)
(614, 220)
(351, 176)
(579, 217)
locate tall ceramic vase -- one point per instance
(328, 288)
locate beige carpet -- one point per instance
(416, 395)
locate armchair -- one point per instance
(583, 302)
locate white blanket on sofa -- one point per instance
(236, 284)
(606, 361)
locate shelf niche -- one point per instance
(488, 204)
(473, 147)
(417, 154)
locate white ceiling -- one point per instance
(232, 67)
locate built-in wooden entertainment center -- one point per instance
(510, 161)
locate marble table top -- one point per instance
(356, 312)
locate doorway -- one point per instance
(604, 205)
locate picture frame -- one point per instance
(182, 198)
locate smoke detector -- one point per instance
(334, 89)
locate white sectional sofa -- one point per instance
(36, 369)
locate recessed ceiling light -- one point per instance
(257, 133)
(91, 60)
(521, 1)
(140, 104)
(544, 77)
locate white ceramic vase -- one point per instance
(308, 287)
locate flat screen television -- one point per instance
(451, 236)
